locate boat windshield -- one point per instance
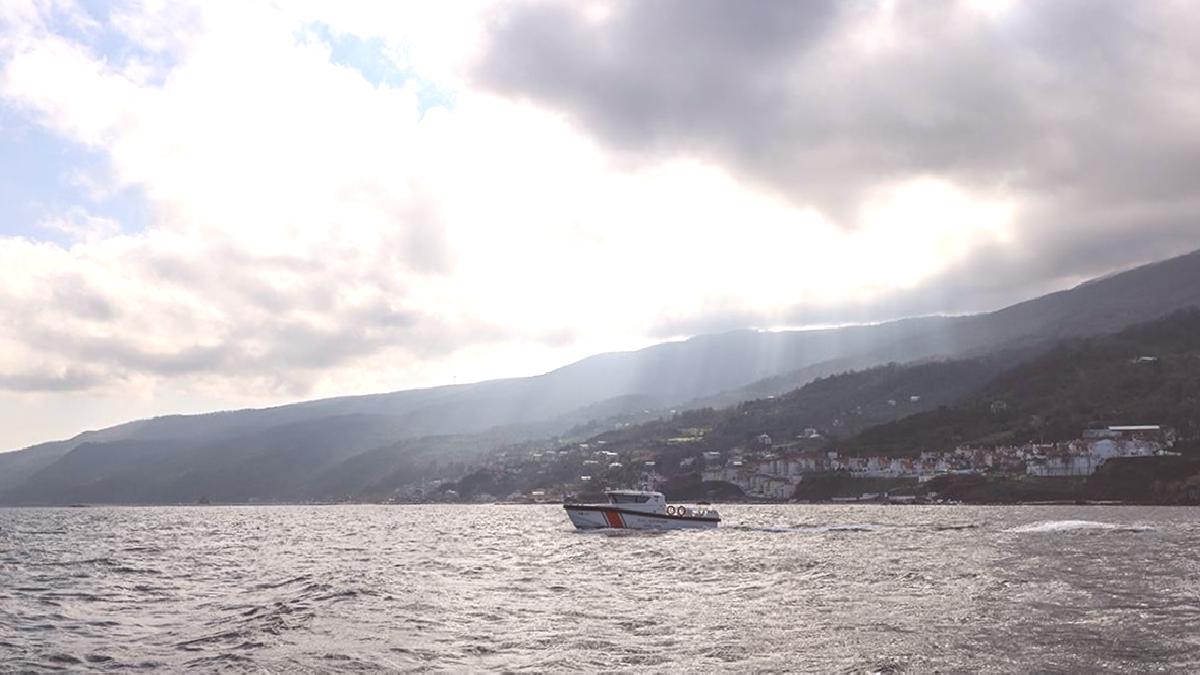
(628, 499)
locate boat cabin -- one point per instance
(639, 500)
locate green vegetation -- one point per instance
(1147, 374)
(837, 406)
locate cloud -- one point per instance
(289, 228)
(586, 178)
(806, 97)
(80, 225)
(1075, 111)
(46, 381)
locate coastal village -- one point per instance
(774, 473)
(771, 470)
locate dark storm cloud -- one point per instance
(797, 95)
(661, 76)
(1086, 111)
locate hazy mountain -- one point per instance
(283, 452)
(838, 405)
(1148, 373)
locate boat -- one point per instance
(640, 510)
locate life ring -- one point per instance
(671, 510)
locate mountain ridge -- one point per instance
(733, 364)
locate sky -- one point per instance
(213, 205)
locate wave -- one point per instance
(109, 562)
(807, 529)
(1074, 525)
(954, 528)
(851, 528)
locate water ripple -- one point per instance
(776, 588)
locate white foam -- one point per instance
(1071, 525)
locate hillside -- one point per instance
(282, 453)
(1147, 374)
(838, 406)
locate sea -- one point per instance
(457, 588)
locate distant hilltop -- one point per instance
(378, 446)
(999, 423)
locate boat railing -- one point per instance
(691, 512)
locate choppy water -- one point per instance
(809, 588)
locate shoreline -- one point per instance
(1093, 503)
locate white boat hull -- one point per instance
(596, 517)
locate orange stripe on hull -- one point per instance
(614, 519)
